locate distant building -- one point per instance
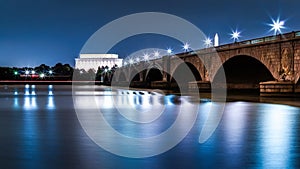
(93, 61)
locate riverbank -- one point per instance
(231, 96)
(65, 88)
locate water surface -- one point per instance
(39, 129)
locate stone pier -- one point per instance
(277, 88)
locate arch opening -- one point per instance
(154, 78)
(181, 76)
(134, 78)
(154, 74)
(244, 73)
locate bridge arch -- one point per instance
(181, 73)
(194, 64)
(184, 73)
(134, 75)
(263, 57)
(243, 71)
(153, 74)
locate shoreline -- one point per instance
(66, 86)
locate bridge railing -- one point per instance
(273, 38)
(261, 40)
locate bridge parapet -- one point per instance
(260, 41)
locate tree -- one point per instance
(112, 71)
(67, 70)
(99, 73)
(42, 69)
(58, 68)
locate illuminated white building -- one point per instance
(93, 61)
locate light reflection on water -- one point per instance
(235, 123)
(16, 102)
(50, 104)
(29, 99)
(277, 135)
(30, 103)
(42, 131)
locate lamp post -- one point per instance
(131, 61)
(207, 42)
(156, 54)
(276, 26)
(42, 75)
(186, 47)
(235, 35)
(169, 51)
(146, 57)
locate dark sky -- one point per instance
(33, 32)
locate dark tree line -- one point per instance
(63, 71)
(58, 72)
(7, 73)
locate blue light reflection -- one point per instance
(276, 135)
(50, 104)
(30, 103)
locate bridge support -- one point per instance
(277, 88)
(201, 86)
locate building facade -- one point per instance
(93, 61)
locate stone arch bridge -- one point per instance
(246, 63)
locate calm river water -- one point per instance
(39, 129)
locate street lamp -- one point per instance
(42, 75)
(277, 25)
(156, 54)
(137, 60)
(235, 35)
(169, 51)
(208, 42)
(131, 61)
(146, 57)
(186, 47)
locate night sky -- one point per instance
(33, 32)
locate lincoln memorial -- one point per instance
(93, 61)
